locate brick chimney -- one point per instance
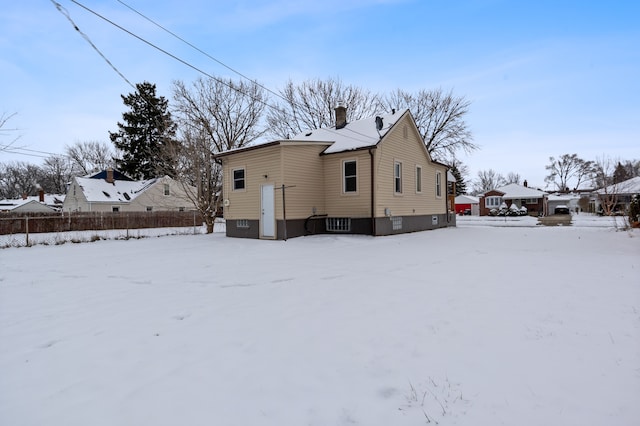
(109, 178)
(41, 195)
(341, 115)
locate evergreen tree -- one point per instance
(461, 185)
(620, 174)
(146, 142)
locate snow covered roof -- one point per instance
(99, 190)
(358, 134)
(466, 199)
(563, 197)
(513, 190)
(29, 203)
(631, 186)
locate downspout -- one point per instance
(373, 212)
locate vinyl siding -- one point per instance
(338, 203)
(245, 204)
(411, 153)
(304, 176)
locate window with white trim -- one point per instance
(167, 189)
(492, 202)
(418, 179)
(242, 223)
(438, 184)
(350, 176)
(397, 177)
(238, 179)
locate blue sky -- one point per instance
(545, 78)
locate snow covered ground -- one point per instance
(474, 325)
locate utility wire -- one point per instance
(64, 11)
(202, 51)
(66, 14)
(217, 60)
(171, 55)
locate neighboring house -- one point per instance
(618, 195)
(467, 204)
(372, 176)
(25, 205)
(112, 191)
(33, 204)
(534, 200)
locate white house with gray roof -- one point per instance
(111, 191)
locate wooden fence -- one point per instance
(25, 223)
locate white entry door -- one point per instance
(267, 217)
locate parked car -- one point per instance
(561, 209)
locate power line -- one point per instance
(171, 55)
(64, 11)
(66, 14)
(201, 51)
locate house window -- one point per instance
(115, 209)
(242, 223)
(350, 173)
(531, 201)
(180, 209)
(438, 184)
(396, 223)
(167, 190)
(149, 208)
(238, 180)
(397, 177)
(338, 224)
(418, 179)
(492, 202)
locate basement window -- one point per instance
(242, 223)
(396, 223)
(338, 224)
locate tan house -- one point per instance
(372, 176)
(112, 191)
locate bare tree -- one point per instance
(89, 157)
(566, 168)
(310, 105)
(513, 177)
(440, 116)
(213, 115)
(19, 179)
(603, 169)
(487, 180)
(57, 171)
